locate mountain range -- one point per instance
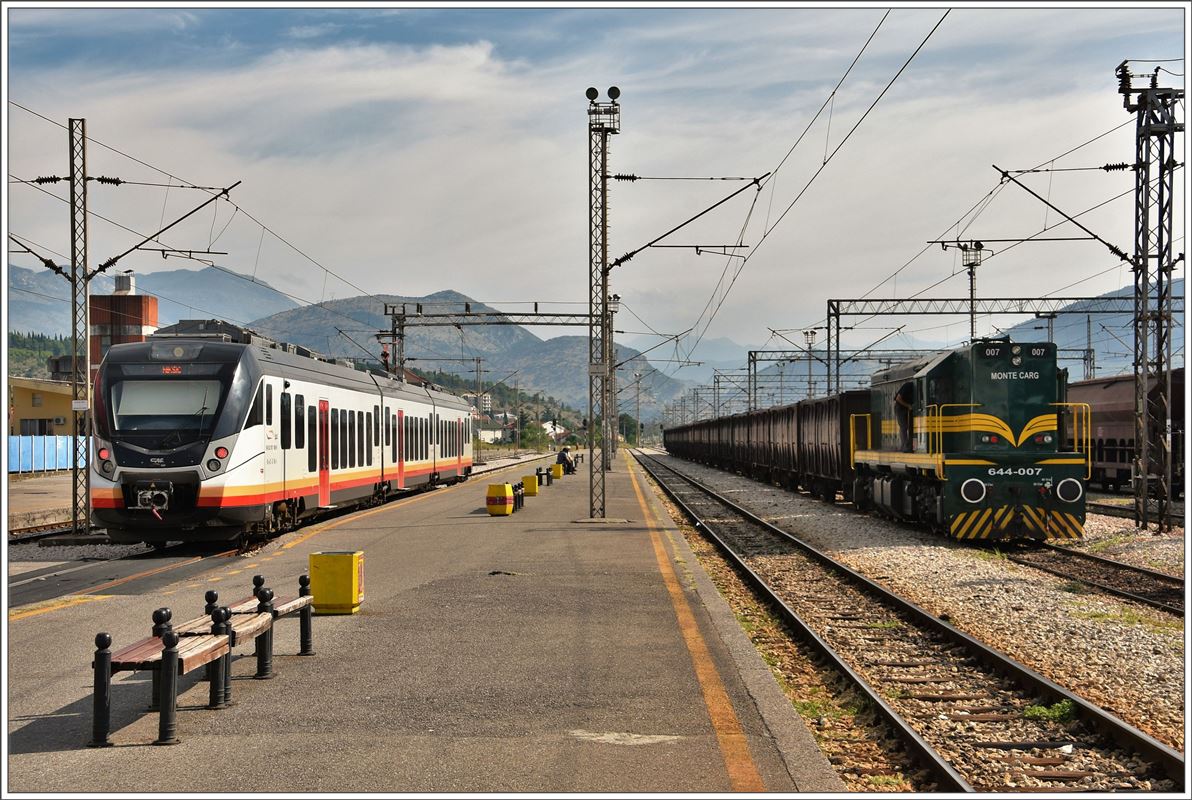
(39, 303)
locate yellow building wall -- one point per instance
(53, 404)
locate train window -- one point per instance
(343, 438)
(388, 431)
(376, 421)
(285, 421)
(393, 428)
(299, 406)
(268, 404)
(312, 422)
(335, 438)
(254, 413)
(351, 438)
(360, 438)
(372, 421)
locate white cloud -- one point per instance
(411, 169)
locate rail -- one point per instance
(1121, 733)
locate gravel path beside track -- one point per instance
(1122, 656)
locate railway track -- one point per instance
(1127, 512)
(34, 532)
(976, 718)
(1148, 586)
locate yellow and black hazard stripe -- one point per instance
(982, 523)
(1053, 524)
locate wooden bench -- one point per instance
(206, 640)
(169, 656)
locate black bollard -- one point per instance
(305, 617)
(212, 597)
(258, 583)
(225, 614)
(215, 697)
(167, 727)
(101, 715)
(265, 638)
(161, 626)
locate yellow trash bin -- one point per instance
(499, 500)
(337, 581)
(530, 482)
(556, 470)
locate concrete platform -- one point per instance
(38, 500)
(492, 654)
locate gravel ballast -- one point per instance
(1120, 655)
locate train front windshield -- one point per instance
(164, 413)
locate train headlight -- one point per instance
(1069, 490)
(104, 453)
(213, 465)
(107, 466)
(1044, 438)
(973, 490)
(1016, 360)
(221, 452)
(1015, 349)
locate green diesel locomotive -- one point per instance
(969, 442)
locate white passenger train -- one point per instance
(207, 432)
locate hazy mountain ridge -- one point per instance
(39, 300)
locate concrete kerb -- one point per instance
(809, 769)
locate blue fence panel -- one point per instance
(41, 453)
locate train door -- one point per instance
(459, 449)
(324, 466)
(401, 449)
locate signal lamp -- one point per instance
(993, 439)
(213, 465)
(108, 467)
(221, 452)
(103, 453)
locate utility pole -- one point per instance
(637, 414)
(80, 383)
(971, 259)
(1090, 358)
(809, 338)
(604, 120)
(1154, 167)
(1050, 317)
(517, 416)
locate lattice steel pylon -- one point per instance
(604, 119)
(80, 378)
(1154, 169)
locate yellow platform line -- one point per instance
(33, 610)
(734, 747)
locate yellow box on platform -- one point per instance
(337, 581)
(499, 500)
(556, 470)
(530, 482)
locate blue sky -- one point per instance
(414, 150)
